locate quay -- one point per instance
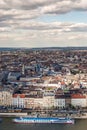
(18, 114)
(80, 117)
(12, 114)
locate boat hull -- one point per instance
(29, 120)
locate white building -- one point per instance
(48, 99)
(59, 101)
(78, 100)
(18, 100)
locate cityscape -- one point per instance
(43, 64)
(49, 81)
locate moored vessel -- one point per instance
(44, 120)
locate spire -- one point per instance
(23, 69)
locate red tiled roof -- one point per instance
(19, 95)
(62, 83)
(77, 96)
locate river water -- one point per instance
(7, 124)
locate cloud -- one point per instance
(59, 26)
(78, 37)
(65, 6)
(20, 9)
(26, 5)
(15, 13)
(18, 21)
(15, 25)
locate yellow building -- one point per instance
(5, 98)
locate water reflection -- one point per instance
(7, 124)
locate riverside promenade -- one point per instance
(80, 117)
(17, 114)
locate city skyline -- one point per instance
(43, 23)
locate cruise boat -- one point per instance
(43, 120)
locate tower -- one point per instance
(23, 69)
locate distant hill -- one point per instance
(61, 48)
(45, 48)
(8, 49)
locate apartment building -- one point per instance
(5, 98)
(59, 101)
(78, 100)
(18, 100)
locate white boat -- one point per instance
(43, 120)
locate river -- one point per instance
(7, 124)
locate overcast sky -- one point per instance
(43, 23)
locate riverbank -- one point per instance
(74, 116)
(12, 114)
(79, 116)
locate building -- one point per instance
(59, 101)
(5, 98)
(78, 100)
(48, 99)
(18, 100)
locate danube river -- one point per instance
(7, 124)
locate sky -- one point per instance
(43, 23)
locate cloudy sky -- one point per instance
(43, 23)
